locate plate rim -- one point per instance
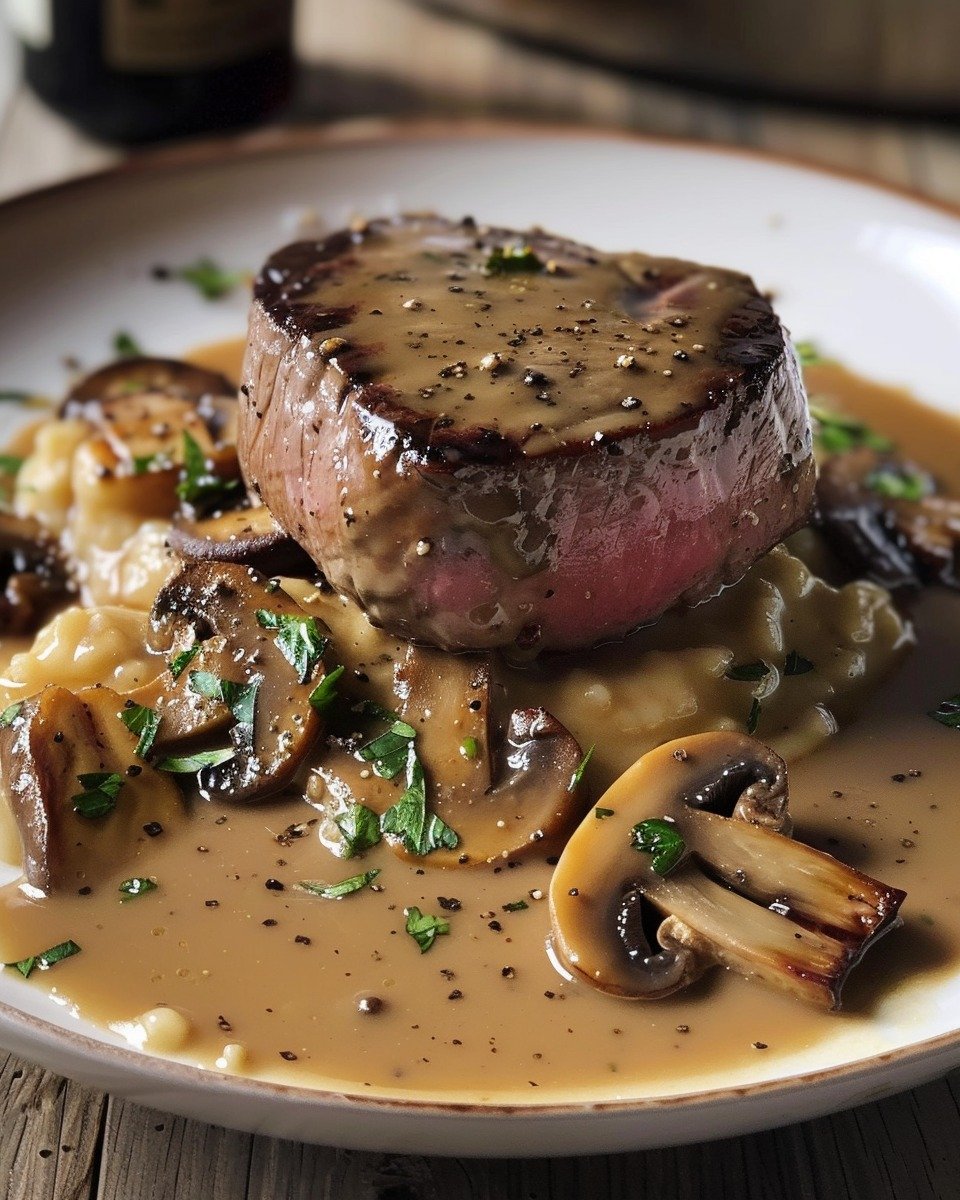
(364, 133)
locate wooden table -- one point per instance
(62, 1141)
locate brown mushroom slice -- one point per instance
(741, 894)
(32, 574)
(248, 535)
(895, 540)
(141, 373)
(57, 740)
(505, 792)
(222, 607)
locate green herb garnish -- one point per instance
(298, 639)
(390, 751)
(210, 279)
(836, 433)
(508, 259)
(809, 354)
(10, 464)
(14, 396)
(796, 664)
(99, 795)
(125, 345)
(662, 840)
(515, 906)
(470, 747)
(753, 717)
(425, 929)
(143, 464)
(336, 891)
(947, 712)
(602, 813)
(144, 722)
(179, 663)
(748, 672)
(191, 764)
(360, 829)
(10, 714)
(409, 822)
(199, 485)
(137, 886)
(240, 698)
(44, 961)
(896, 482)
(577, 777)
(324, 695)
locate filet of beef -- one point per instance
(488, 438)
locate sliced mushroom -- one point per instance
(734, 889)
(32, 573)
(248, 535)
(506, 789)
(57, 741)
(214, 607)
(139, 374)
(895, 541)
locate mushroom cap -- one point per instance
(735, 890)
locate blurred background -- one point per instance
(867, 85)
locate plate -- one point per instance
(872, 274)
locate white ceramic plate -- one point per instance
(873, 275)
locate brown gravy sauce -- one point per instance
(484, 1013)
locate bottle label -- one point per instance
(190, 35)
(31, 21)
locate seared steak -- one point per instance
(489, 438)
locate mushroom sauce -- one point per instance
(221, 960)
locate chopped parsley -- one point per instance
(179, 663)
(894, 481)
(470, 748)
(947, 712)
(425, 929)
(208, 277)
(515, 906)
(324, 695)
(99, 795)
(199, 485)
(505, 260)
(191, 764)
(138, 886)
(240, 698)
(577, 777)
(809, 354)
(602, 813)
(125, 345)
(10, 464)
(14, 396)
(143, 464)
(753, 716)
(408, 821)
(337, 891)
(748, 672)
(298, 639)
(45, 960)
(836, 433)
(359, 828)
(144, 722)
(796, 664)
(10, 714)
(662, 840)
(390, 751)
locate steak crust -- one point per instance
(489, 438)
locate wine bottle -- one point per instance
(140, 70)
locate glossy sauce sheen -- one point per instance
(483, 1014)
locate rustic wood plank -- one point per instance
(51, 1133)
(153, 1156)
